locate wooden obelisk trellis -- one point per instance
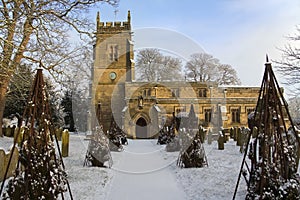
(40, 173)
(271, 157)
(192, 153)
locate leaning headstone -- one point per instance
(232, 133)
(202, 134)
(235, 133)
(2, 164)
(12, 131)
(226, 133)
(221, 141)
(4, 129)
(13, 162)
(65, 143)
(244, 138)
(58, 133)
(16, 132)
(5, 161)
(239, 137)
(9, 131)
(19, 134)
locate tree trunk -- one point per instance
(3, 90)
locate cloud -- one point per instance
(262, 31)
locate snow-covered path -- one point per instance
(141, 172)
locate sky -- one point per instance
(237, 32)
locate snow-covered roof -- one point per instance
(238, 86)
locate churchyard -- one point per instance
(186, 161)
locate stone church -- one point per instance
(141, 109)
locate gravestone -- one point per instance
(65, 143)
(5, 157)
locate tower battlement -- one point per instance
(116, 26)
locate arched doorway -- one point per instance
(141, 128)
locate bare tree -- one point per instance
(294, 108)
(18, 92)
(203, 67)
(289, 66)
(152, 65)
(147, 64)
(77, 83)
(37, 32)
(227, 75)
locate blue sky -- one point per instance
(237, 32)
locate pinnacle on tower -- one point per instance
(128, 17)
(98, 19)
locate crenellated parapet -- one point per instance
(113, 27)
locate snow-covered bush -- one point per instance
(277, 189)
(98, 150)
(166, 135)
(115, 136)
(192, 152)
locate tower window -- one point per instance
(116, 53)
(113, 52)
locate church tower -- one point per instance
(113, 66)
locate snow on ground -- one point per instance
(87, 183)
(218, 180)
(142, 173)
(144, 170)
